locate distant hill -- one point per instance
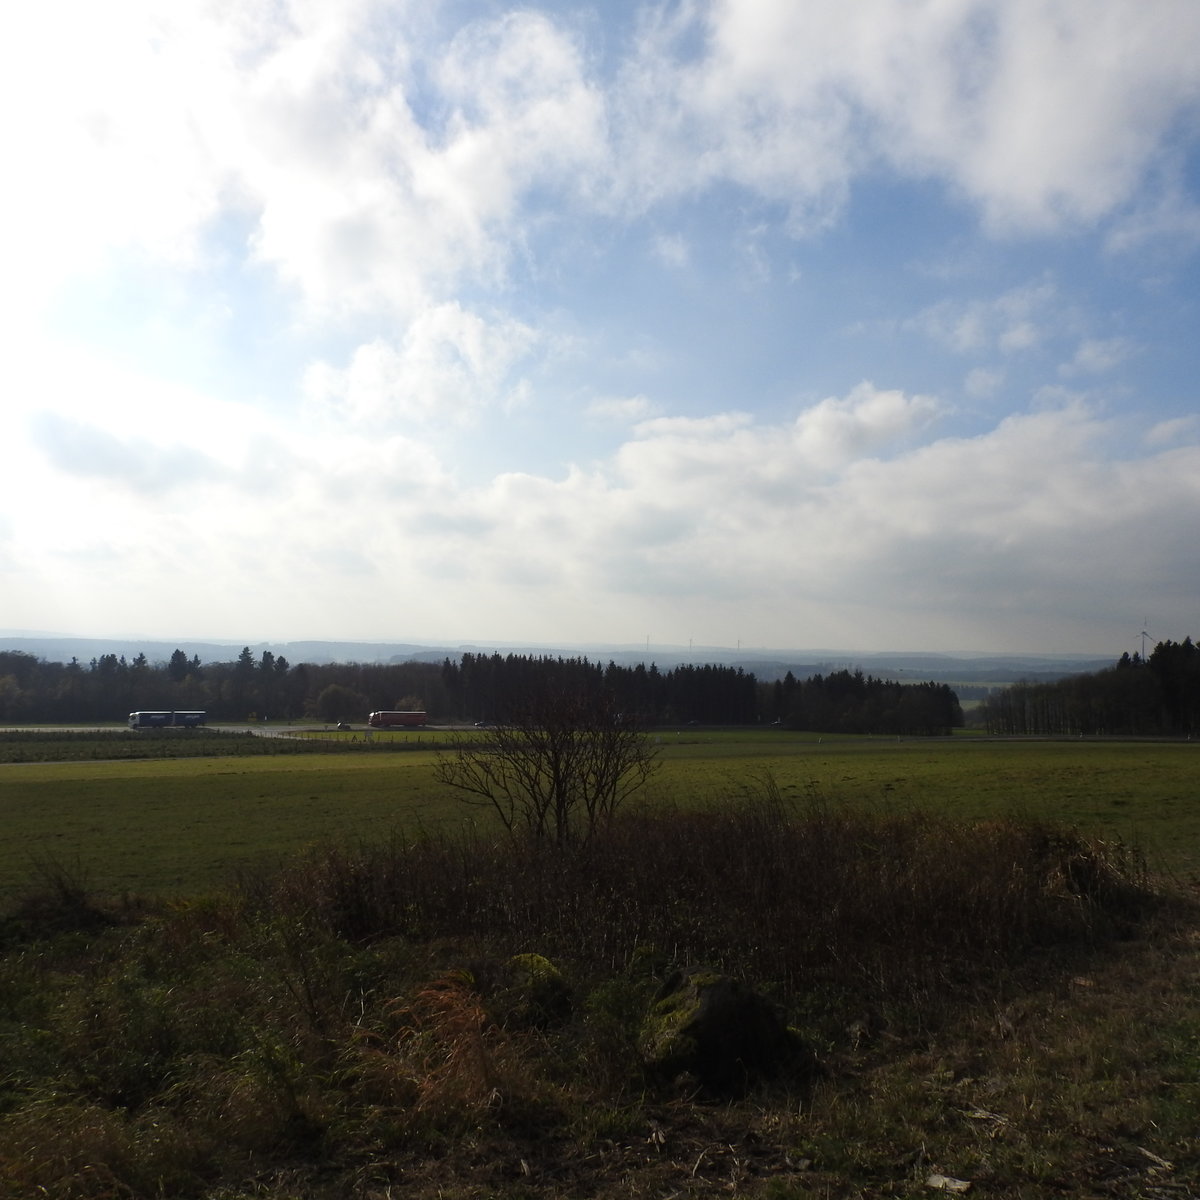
(766, 664)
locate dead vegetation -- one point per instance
(1003, 1008)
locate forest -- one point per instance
(1153, 695)
(477, 688)
(1156, 695)
(851, 702)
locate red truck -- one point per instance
(386, 719)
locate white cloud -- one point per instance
(101, 151)
(1079, 100)
(852, 511)
(301, 119)
(867, 420)
(671, 249)
(86, 451)
(525, 114)
(1164, 215)
(621, 409)
(389, 209)
(378, 164)
(67, 391)
(981, 383)
(1024, 107)
(979, 531)
(449, 366)
(1094, 356)
(1177, 429)
(1017, 320)
(687, 122)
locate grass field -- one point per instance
(182, 826)
(1004, 1005)
(1146, 792)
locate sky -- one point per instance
(771, 323)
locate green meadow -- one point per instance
(184, 826)
(1144, 792)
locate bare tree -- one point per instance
(558, 769)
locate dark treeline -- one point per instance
(492, 687)
(1154, 696)
(109, 688)
(476, 688)
(851, 702)
(487, 687)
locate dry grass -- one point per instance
(891, 904)
(1003, 1003)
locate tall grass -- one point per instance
(893, 901)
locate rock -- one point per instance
(719, 1031)
(533, 993)
(944, 1183)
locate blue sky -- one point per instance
(869, 326)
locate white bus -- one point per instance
(160, 720)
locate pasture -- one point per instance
(184, 826)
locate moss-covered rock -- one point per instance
(533, 992)
(720, 1031)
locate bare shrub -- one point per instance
(58, 899)
(558, 770)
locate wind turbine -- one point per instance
(1145, 635)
